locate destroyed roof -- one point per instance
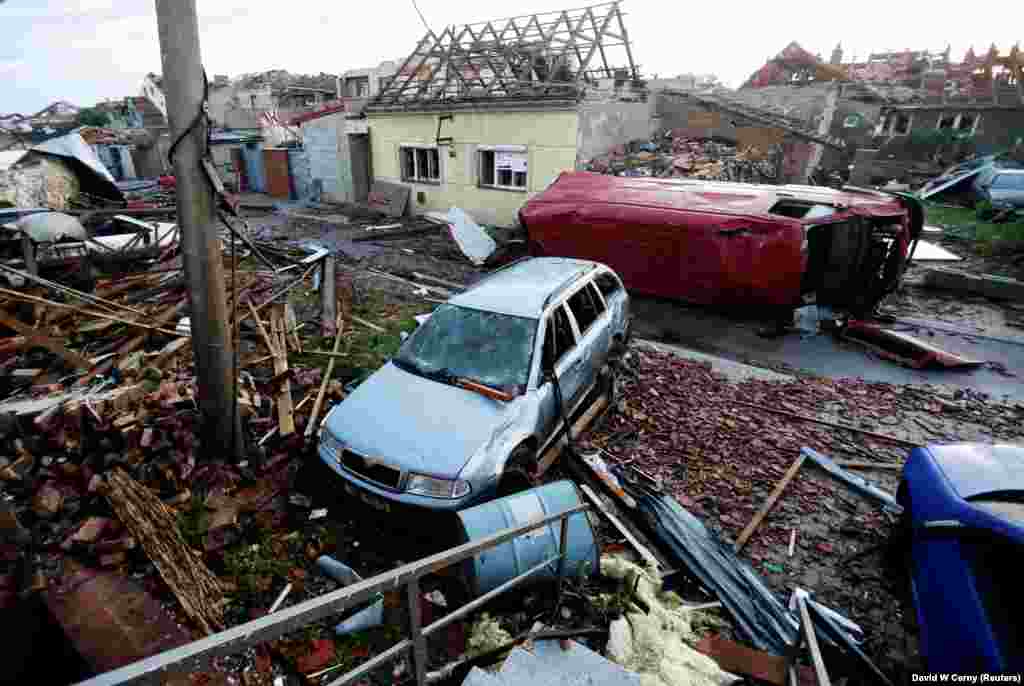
(721, 100)
(549, 57)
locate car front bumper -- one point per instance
(389, 501)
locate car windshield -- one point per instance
(493, 349)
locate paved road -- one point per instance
(734, 336)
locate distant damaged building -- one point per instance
(485, 115)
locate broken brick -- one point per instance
(47, 501)
(321, 655)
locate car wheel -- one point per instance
(520, 471)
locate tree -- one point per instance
(90, 116)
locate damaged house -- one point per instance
(485, 115)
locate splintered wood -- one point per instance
(276, 341)
(153, 525)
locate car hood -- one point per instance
(976, 468)
(415, 423)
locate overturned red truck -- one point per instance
(730, 244)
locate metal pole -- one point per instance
(200, 245)
(328, 297)
(563, 541)
(419, 641)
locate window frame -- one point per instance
(431, 152)
(614, 279)
(550, 326)
(957, 120)
(481, 164)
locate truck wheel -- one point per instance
(520, 471)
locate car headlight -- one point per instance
(433, 487)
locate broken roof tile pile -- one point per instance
(99, 435)
(721, 447)
(677, 156)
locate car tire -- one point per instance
(520, 471)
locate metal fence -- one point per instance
(194, 656)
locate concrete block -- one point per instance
(988, 285)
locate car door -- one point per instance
(616, 301)
(1007, 189)
(561, 352)
(591, 319)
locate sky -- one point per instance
(84, 51)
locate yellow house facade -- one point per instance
(488, 161)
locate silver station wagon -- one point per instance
(481, 389)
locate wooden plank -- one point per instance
(315, 412)
(768, 504)
(33, 337)
(443, 282)
(817, 662)
(555, 450)
(285, 410)
(368, 325)
(619, 526)
(88, 313)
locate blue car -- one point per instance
(469, 406)
(964, 505)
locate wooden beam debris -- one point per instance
(768, 504)
(153, 526)
(315, 413)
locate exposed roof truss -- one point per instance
(554, 54)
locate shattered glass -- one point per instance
(490, 348)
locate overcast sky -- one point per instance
(88, 50)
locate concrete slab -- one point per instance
(111, 620)
(988, 285)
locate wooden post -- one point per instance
(184, 80)
(328, 298)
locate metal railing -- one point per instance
(194, 656)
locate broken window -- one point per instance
(420, 165)
(799, 209)
(901, 124)
(503, 169)
(491, 348)
(946, 121)
(358, 86)
(584, 308)
(607, 283)
(559, 338)
(967, 122)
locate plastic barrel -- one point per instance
(491, 568)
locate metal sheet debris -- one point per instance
(929, 252)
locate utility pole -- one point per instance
(220, 432)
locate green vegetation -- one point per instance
(963, 223)
(365, 350)
(254, 566)
(193, 522)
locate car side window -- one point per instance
(1002, 181)
(558, 339)
(583, 307)
(607, 283)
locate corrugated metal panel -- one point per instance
(298, 170)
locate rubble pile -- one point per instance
(672, 155)
(721, 447)
(105, 392)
